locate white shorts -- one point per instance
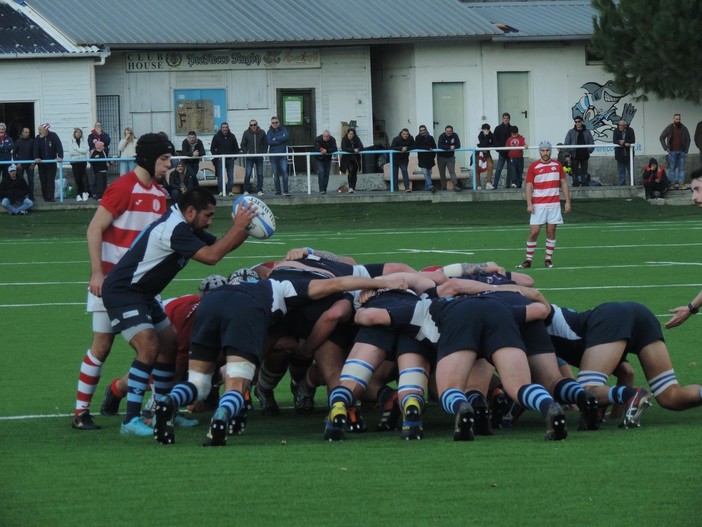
(546, 215)
(101, 322)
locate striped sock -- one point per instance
(476, 398)
(620, 394)
(530, 248)
(341, 394)
(535, 397)
(451, 399)
(163, 378)
(268, 380)
(568, 391)
(184, 394)
(90, 371)
(137, 385)
(232, 402)
(550, 247)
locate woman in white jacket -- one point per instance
(79, 150)
(127, 148)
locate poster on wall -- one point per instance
(292, 110)
(202, 111)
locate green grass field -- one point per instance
(281, 472)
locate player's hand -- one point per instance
(296, 254)
(245, 214)
(680, 315)
(567, 207)
(530, 209)
(394, 282)
(95, 285)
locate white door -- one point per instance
(449, 109)
(513, 98)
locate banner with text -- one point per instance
(147, 61)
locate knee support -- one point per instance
(203, 383)
(412, 380)
(357, 371)
(240, 369)
(662, 382)
(592, 378)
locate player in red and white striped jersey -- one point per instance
(128, 205)
(544, 182)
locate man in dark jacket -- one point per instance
(449, 142)
(253, 141)
(224, 143)
(326, 145)
(47, 151)
(24, 151)
(7, 145)
(624, 137)
(425, 160)
(402, 144)
(579, 135)
(675, 139)
(13, 192)
(192, 147)
(501, 134)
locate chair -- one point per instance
(291, 161)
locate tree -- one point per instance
(651, 46)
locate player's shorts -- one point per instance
(536, 338)
(101, 322)
(132, 319)
(473, 324)
(226, 323)
(546, 215)
(393, 343)
(628, 321)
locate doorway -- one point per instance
(448, 107)
(17, 115)
(513, 98)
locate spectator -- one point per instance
(403, 143)
(448, 141)
(625, 137)
(127, 148)
(224, 143)
(698, 138)
(655, 180)
(253, 141)
(351, 163)
(516, 142)
(486, 139)
(99, 170)
(163, 180)
(277, 138)
(24, 151)
(14, 192)
(675, 139)
(48, 150)
(425, 160)
(97, 134)
(502, 133)
(181, 181)
(579, 135)
(325, 144)
(7, 146)
(79, 150)
(193, 148)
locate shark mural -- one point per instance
(599, 109)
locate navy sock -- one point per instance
(232, 402)
(535, 397)
(620, 394)
(451, 399)
(137, 384)
(341, 394)
(184, 393)
(163, 378)
(568, 391)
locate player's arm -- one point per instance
(100, 222)
(682, 313)
(302, 252)
(529, 192)
(340, 311)
(372, 316)
(234, 237)
(320, 288)
(459, 269)
(566, 193)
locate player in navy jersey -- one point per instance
(235, 320)
(130, 290)
(598, 339)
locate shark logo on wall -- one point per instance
(599, 109)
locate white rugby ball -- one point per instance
(263, 225)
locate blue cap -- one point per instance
(544, 144)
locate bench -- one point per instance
(416, 175)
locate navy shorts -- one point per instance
(394, 343)
(628, 321)
(148, 314)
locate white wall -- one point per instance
(61, 90)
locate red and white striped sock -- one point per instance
(530, 248)
(90, 370)
(550, 247)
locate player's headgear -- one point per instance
(149, 148)
(544, 144)
(211, 283)
(243, 275)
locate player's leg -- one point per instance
(476, 391)
(452, 372)
(534, 231)
(655, 361)
(550, 244)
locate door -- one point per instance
(18, 115)
(513, 98)
(296, 113)
(448, 106)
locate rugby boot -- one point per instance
(84, 421)
(164, 414)
(555, 423)
(335, 423)
(634, 407)
(355, 423)
(217, 435)
(110, 404)
(390, 415)
(412, 425)
(269, 406)
(465, 420)
(590, 414)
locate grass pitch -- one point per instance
(281, 472)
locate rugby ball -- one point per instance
(263, 225)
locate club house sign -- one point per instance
(146, 61)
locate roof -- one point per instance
(132, 24)
(565, 20)
(23, 36)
